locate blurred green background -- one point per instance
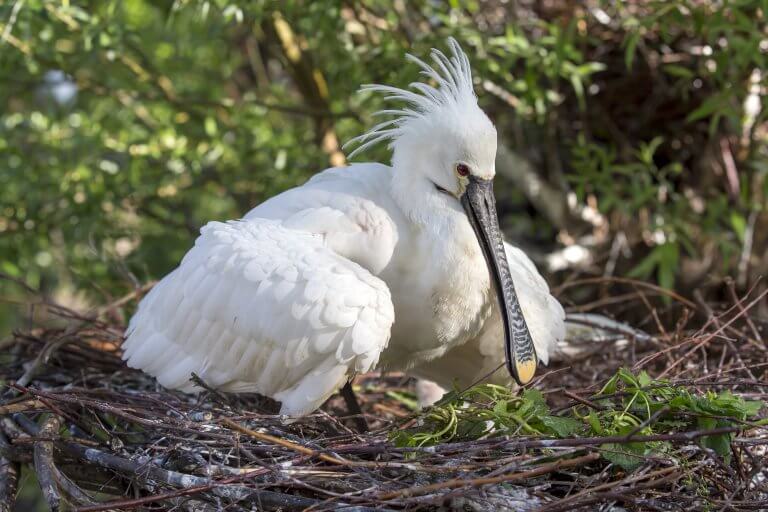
(633, 134)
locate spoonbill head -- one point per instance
(361, 267)
(443, 141)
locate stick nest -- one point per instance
(594, 433)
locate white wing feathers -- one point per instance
(346, 207)
(258, 307)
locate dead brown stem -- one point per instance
(478, 482)
(44, 466)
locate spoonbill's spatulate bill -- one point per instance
(479, 359)
(361, 267)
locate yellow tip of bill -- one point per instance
(526, 370)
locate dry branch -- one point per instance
(9, 480)
(87, 425)
(44, 463)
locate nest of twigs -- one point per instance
(100, 436)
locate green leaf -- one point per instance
(645, 268)
(610, 386)
(594, 423)
(668, 264)
(678, 71)
(621, 456)
(752, 407)
(562, 427)
(406, 399)
(664, 259)
(721, 444)
(578, 89)
(628, 378)
(500, 408)
(590, 68)
(711, 105)
(535, 396)
(647, 150)
(739, 224)
(630, 45)
(644, 379)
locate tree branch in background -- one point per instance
(551, 202)
(9, 480)
(311, 83)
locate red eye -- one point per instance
(462, 170)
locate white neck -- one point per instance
(437, 214)
(452, 272)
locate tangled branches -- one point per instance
(100, 436)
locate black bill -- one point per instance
(480, 206)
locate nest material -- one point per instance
(100, 436)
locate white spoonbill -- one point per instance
(361, 267)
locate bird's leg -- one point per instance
(353, 406)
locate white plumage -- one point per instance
(362, 267)
(257, 307)
(479, 359)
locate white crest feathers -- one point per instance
(454, 92)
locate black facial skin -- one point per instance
(480, 206)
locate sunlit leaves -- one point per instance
(150, 147)
(629, 404)
(535, 70)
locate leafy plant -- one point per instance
(627, 405)
(655, 209)
(534, 70)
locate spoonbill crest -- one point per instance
(397, 267)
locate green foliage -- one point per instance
(484, 409)
(627, 405)
(119, 177)
(127, 124)
(534, 70)
(710, 56)
(730, 44)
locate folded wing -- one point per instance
(259, 307)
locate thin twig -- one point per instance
(478, 482)
(44, 463)
(9, 482)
